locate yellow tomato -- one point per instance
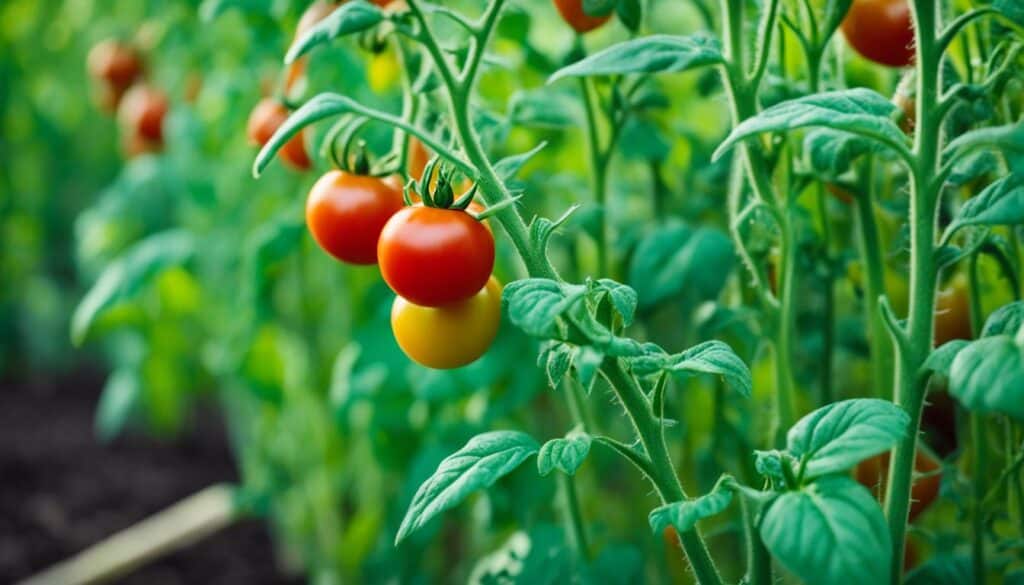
(449, 336)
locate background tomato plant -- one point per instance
(686, 307)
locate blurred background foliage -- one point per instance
(332, 426)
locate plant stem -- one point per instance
(828, 323)
(663, 475)
(979, 442)
(759, 561)
(574, 515)
(599, 175)
(871, 256)
(910, 389)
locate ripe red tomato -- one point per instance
(881, 30)
(953, 313)
(265, 119)
(873, 474)
(141, 114)
(572, 12)
(115, 63)
(450, 336)
(435, 257)
(346, 213)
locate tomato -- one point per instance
(572, 13)
(346, 213)
(450, 336)
(418, 158)
(873, 473)
(141, 114)
(953, 312)
(265, 119)
(434, 256)
(938, 419)
(881, 30)
(115, 63)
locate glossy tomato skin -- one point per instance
(141, 114)
(450, 336)
(873, 474)
(953, 312)
(346, 213)
(435, 257)
(881, 30)
(573, 14)
(115, 63)
(265, 119)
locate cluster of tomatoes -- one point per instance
(118, 73)
(435, 253)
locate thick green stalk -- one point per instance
(663, 475)
(574, 515)
(910, 389)
(828, 323)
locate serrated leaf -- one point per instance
(544, 107)
(649, 54)
(622, 297)
(558, 358)
(1005, 320)
(1000, 203)
(836, 437)
(565, 454)
(129, 273)
(830, 153)
(534, 304)
(349, 18)
(832, 531)
(711, 357)
(683, 516)
(481, 462)
(859, 111)
(987, 376)
(587, 363)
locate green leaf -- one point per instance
(941, 358)
(830, 153)
(622, 297)
(509, 167)
(118, 401)
(988, 376)
(1009, 137)
(485, 459)
(683, 516)
(836, 437)
(209, 10)
(351, 17)
(711, 357)
(566, 454)
(630, 13)
(1012, 9)
(542, 228)
(556, 359)
(832, 531)
(859, 111)
(649, 54)
(676, 259)
(544, 108)
(942, 569)
(534, 304)
(587, 363)
(129, 273)
(598, 7)
(1005, 320)
(1001, 203)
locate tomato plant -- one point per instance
(752, 280)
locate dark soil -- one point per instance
(61, 490)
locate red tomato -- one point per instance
(450, 336)
(881, 30)
(141, 114)
(346, 212)
(435, 257)
(265, 119)
(873, 474)
(572, 12)
(953, 313)
(418, 158)
(115, 63)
